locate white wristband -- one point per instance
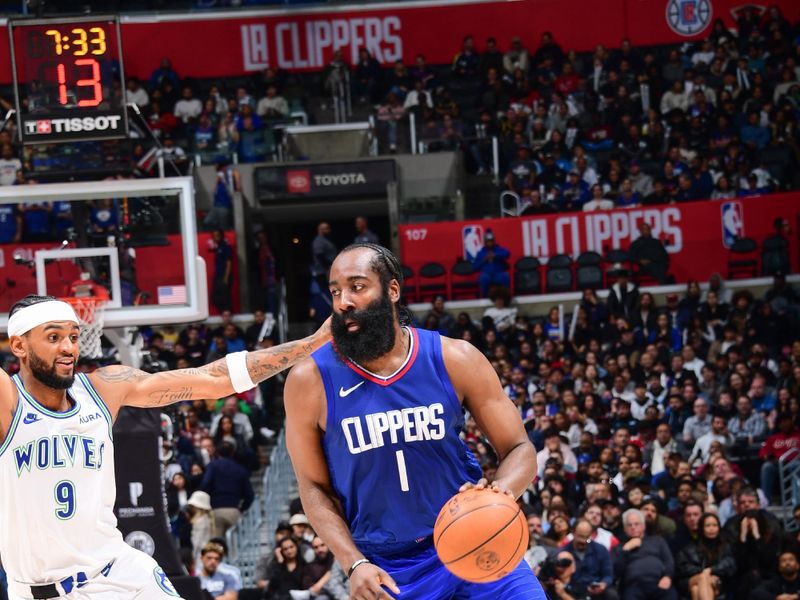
(237, 371)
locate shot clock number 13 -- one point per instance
(68, 79)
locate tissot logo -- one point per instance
(339, 179)
(75, 124)
(298, 182)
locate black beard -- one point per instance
(47, 374)
(375, 336)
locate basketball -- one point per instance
(480, 535)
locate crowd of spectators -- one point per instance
(658, 430)
(611, 128)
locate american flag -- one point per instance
(172, 294)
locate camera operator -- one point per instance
(556, 577)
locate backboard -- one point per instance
(133, 241)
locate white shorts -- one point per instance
(133, 576)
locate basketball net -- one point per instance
(90, 312)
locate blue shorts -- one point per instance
(422, 576)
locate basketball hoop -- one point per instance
(90, 313)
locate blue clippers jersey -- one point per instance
(393, 447)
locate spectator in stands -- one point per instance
(318, 571)
(418, 97)
(786, 438)
(748, 427)
(698, 424)
(704, 568)
(467, 61)
(268, 292)
(220, 586)
(188, 108)
(367, 77)
(10, 224)
(623, 297)
(649, 253)
(492, 263)
(135, 93)
(363, 233)
(597, 201)
(516, 57)
(9, 165)
(200, 520)
(287, 572)
(717, 434)
(163, 73)
(786, 586)
(223, 271)
(389, 114)
(273, 105)
(228, 485)
(644, 564)
(241, 423)
(593, 567)
(753, 532)
(575, 192)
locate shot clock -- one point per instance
(68, 79)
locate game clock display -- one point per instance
(68, 79)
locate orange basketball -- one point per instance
(480, 535)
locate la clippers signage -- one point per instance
(306, 39)
(697, 235)
(329, 180)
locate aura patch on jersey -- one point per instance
(55, 451)
(164, 583)
(413, 424)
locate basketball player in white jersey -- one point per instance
(58, 535)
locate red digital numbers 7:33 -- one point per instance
(68, 79)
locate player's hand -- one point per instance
(367, 581)
(483, 484)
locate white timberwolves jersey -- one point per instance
(57, 488)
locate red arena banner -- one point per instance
(697, 235)
(236, 43)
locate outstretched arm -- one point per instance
(477, 385)
(125, 386)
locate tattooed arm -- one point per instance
(124, 386)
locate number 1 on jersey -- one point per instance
(65, 498)
(401, 468)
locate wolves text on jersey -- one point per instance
(55, 451)
(416, 424)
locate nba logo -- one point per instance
(472, 237)
(732, 223)
(688, 17)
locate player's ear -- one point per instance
(19, 345)
(394, 291)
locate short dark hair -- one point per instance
(29, 300)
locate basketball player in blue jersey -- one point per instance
(58, 534)
(373, 424)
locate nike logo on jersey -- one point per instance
(31, 418)
(343, 393)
